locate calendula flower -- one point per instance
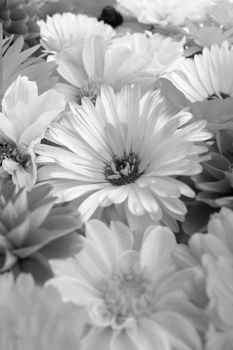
(14, 61)
(206, 77)
(61, 31)
(161, 52)
(32, 317)
(133, 297)
(126, 150)
(24, 118)
(33, 230)
(87, 70)
(165, 12)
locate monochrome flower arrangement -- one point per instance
(116, 175)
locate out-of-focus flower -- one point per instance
(161, 52)
(88, 69)
(221, 12)
(208, 76)
(128, 149)
(18, 18)
(66, 30)
(14, 61)
(32, 317)
(24, 118)
(135, 299)
(200, 36)
(165, 11)
(33, 230)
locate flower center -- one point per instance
(123, 170)
(9, 150)
(128, 294)
(218, 96)
(91, 90)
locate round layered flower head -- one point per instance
(35, 318)
(135, 299)
(88, 69)
(162, 52)
(33, 230)
(165, 11)
(208, 76)
(65, 30)
(127, 150)
(24, 118)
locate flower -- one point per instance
(165, 12)
(23, 121)
(32, 317)
(206, 77)
(162, 52)
(69, 30)
(126, 150)
(135, 299)
(87, 70)
(14, 61)
(33, 230)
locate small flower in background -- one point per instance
(126, 150)
(206, 77)
(33, 230)
(18, 18)
(135, 299)
(15, 61)
(32, 317)
(161, 52)
(66, 30)
(85, 71)
(24, 118)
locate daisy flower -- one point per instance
(33, 230)
(32, 317)
(126, 150)
(87, 70)
(162, 52)
(23, 121)
(165, 12)
(61, 31)
(135, 299)
(208, 76)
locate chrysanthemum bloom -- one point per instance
(126, 150)
(134, 299)
(14, 61)
(33, 230)
(219, 286)
(165, 11)
(87, 70)
(35, 318)
(161, 52)
(24, 118)
(69, 30)
(208, 76)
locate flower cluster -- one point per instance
(116, 174)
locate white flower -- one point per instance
(61, 31)
(87, 70)
(126, 150)
(206, 77)
(161, 52)
(23, 121)
(134, 299)
(165, 11)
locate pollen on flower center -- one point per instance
(218, 96)
(128, 294)
(9, 150)
(123, 170)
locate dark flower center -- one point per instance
(218, 96)
(123, 170)
(9, 150)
